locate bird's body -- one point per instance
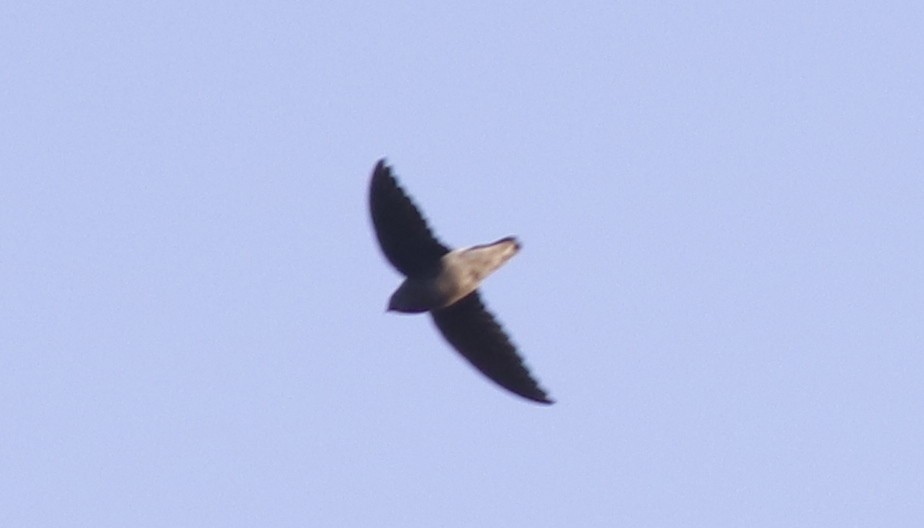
(445, 283)
(460, 273)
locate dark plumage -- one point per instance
(472, 330)
(410, 246)
(402, 231)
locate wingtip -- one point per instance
(541, 399)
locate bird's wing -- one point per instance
(402, 231)
(473, 331)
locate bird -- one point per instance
(445, 283)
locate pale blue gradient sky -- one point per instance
(721, 282)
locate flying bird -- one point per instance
(445, 283)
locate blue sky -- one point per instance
(721, 210)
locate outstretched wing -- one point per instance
(473, 331)
(402, 231)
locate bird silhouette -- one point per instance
(445, 283)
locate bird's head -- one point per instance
(410, 297)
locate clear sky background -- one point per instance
(722, 211)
